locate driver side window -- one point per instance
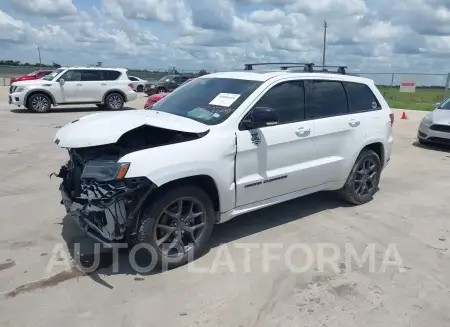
(72, 76)
(288, 99)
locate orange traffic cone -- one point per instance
(404, 115)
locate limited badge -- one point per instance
(256, 139)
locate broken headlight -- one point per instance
(102, 170)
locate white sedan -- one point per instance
(139, 84)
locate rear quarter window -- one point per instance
(360, 97)
(111, 75)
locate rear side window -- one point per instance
(326, 99)
(111, 75)
(360, 97)
(288, 99)
(91, 75)
(131, 78)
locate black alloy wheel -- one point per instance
(177, 224)
(362, 182)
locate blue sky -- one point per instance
(370, 35)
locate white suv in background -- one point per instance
(220, 146)
(107, 88)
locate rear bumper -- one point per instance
(131, 95)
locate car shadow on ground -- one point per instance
(101, 262)
(94, 109)
(434, 147)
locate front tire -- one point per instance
(140, 88)
(161, 90)
(114, 101)
(177, 226)
(39, 103)
(362, 183)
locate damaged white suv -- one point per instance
(223, 145)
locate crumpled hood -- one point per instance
(107, 128)
(440, 116)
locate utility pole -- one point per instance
(39, 52)
(325, 25)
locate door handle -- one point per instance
(302, 131)
(79, 84)
(354, 122)
(103, 84)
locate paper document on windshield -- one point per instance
(224, 99)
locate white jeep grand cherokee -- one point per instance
(223, 145)
(107, 88)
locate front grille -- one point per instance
(441, 128)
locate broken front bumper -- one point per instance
(105, 210)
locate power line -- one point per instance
(325, 25)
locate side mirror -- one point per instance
(438, 104)
(262, 117)
(61, 81)
(173, 81)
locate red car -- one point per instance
(152, 99)
(34, 75)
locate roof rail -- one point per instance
(307, 66)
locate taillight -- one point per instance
(391, 116)
(131, 85)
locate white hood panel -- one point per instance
(107, 128)
(36, 82)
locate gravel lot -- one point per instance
(410, 214)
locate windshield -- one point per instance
(445, 104)
(208, 100)
(165, 79)
(53, 74)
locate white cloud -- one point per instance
(45, 7)
(368, 35)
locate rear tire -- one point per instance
(362, 182)
(163, 223)
(114, 101)
(39, 103)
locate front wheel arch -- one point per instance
(204, 182)
(33, 92)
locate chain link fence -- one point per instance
(6, 72)
(430, 88)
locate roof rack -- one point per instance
(307, 66)
(340, 69)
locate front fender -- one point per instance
(29, 92)
(170, 163)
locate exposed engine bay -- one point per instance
(95, 189)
